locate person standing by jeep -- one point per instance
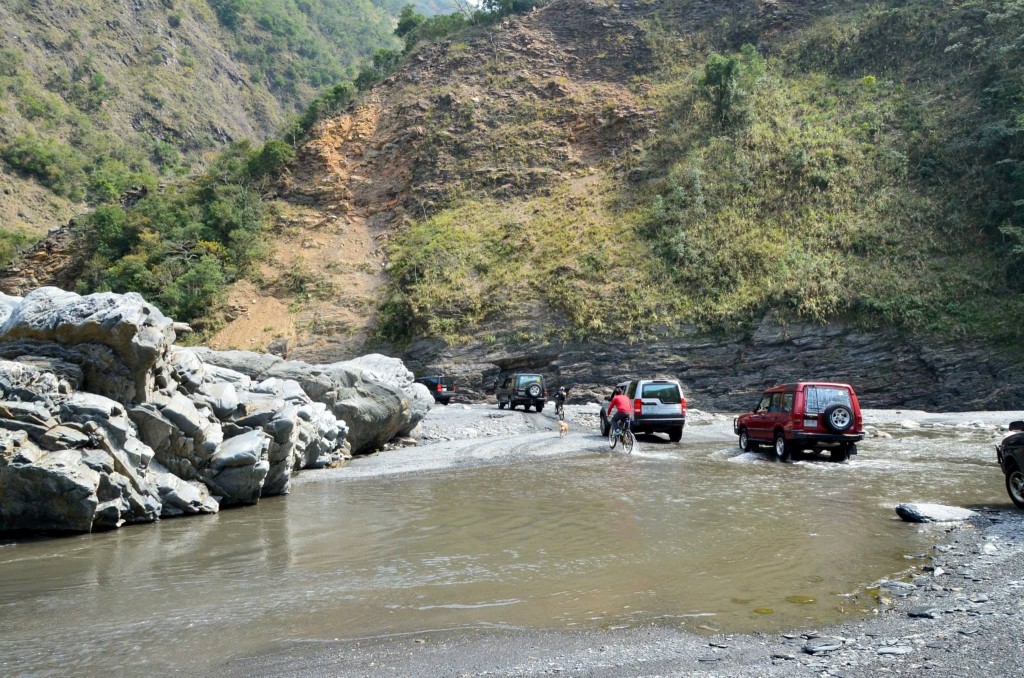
(621, 406)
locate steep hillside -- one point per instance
(96, 97)
(748, 192)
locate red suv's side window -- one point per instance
(787, 402)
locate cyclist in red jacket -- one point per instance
(622, 407)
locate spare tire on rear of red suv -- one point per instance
(838, 417)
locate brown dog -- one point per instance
(563, 428)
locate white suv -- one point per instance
(658, 407)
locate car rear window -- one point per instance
(820, 397)
(666, 393)
(528, 379)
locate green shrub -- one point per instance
(271, 159)
(14, 243)
(54, 163)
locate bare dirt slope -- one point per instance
(536, 102)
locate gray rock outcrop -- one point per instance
(932, 513)
(375, 395)
(104, 422)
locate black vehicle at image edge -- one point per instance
(1010, 454)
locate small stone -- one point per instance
(821, 645)
(895, 649)
(924, 612)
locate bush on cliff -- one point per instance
(181, 248)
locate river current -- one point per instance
(698, 535)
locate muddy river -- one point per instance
(511, 527)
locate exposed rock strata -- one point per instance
(728, 373)
(104, 422)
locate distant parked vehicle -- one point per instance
(658, 407)
(804, 416)
(442, 388)
(1010, 454)
(522, 389)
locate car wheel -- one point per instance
(511, 404)
(533, 391)
(838, 417)
(783, 450)
(501, 405)
(745, 443)
(446, 401)
(605, 426)
(676, 434)
(1015, 487)
(840, 454)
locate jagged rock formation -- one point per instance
(104, 422)
(375, 394)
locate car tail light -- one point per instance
(682, 405)
(638, 406)
(439, 387)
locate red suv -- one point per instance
(804, 416)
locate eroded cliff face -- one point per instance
(728, 373)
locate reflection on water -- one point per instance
(698, 535)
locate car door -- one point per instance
(757, 424)
(778, 412)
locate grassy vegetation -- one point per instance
(485, 259)
(871, 169)
(868, 167)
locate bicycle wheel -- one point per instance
(612, 438)
(628, 441)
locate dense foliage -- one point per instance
(180, 248)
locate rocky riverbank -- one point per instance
(104, 421)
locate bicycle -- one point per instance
(625, 435)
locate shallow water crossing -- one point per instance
(558, 534)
